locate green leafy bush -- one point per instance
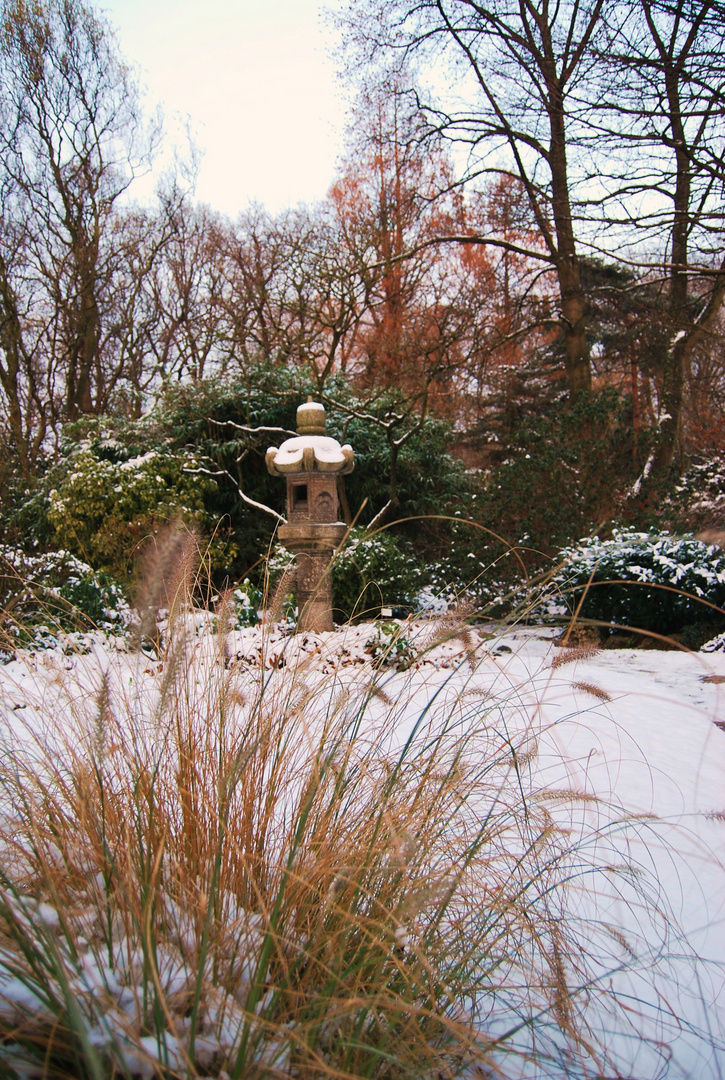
(100, 501)
(429, 480)
(43, 594)
(247, 601)
(652, 581)
(372, 572)
(389, 646)
(117, 480)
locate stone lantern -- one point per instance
(311, 464)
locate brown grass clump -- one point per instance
(256, 874)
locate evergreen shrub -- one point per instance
(389, 646)
(102, 500)
(430, 483)
(246, 601)
(698, 498)
(565, 474)
(41, 595)
(368, 574)
(655, 582)
(117, 481)
(373, 572)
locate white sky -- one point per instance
(256, 80)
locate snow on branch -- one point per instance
(252, 430)
(245, 498)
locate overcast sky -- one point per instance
(256, 80)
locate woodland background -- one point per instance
(511, 300)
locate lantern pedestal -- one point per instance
(313, 546)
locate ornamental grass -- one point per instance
(240, 871)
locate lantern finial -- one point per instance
(311, 418)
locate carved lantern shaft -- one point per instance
(311, 463)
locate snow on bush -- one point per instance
(389, 645)
(246, 601)
(651, 581)
(375, 571)
(42, 596)
(699, 498)
(101, 509)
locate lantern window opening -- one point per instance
(299, 494)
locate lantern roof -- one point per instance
(310, 449)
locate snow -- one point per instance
(645, 472)
(138, 462)
(326, 449)
(634, 733)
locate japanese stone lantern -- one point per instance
(311, 464)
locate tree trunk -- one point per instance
(10, 343)
(573, 305)
(677, 363)
(84, 345)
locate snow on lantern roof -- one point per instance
(310, 449)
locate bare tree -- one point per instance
(132, 320)
(293, 295)
(658, 148)
(263, 259)
(71, 141)
(514, 68)
(191, 296)
(24, 414)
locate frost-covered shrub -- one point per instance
(281, 584)
(237, 609)
(101, 502)
(246, 603)
(382, 571)
(280, 563)
(429, 602)
(42, 594)
(716, 644)
(478, 579)
(699, 498)
(651, 581)
(102, 509)
(372, 572)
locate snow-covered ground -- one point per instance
(640, 730)
(627, 744)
